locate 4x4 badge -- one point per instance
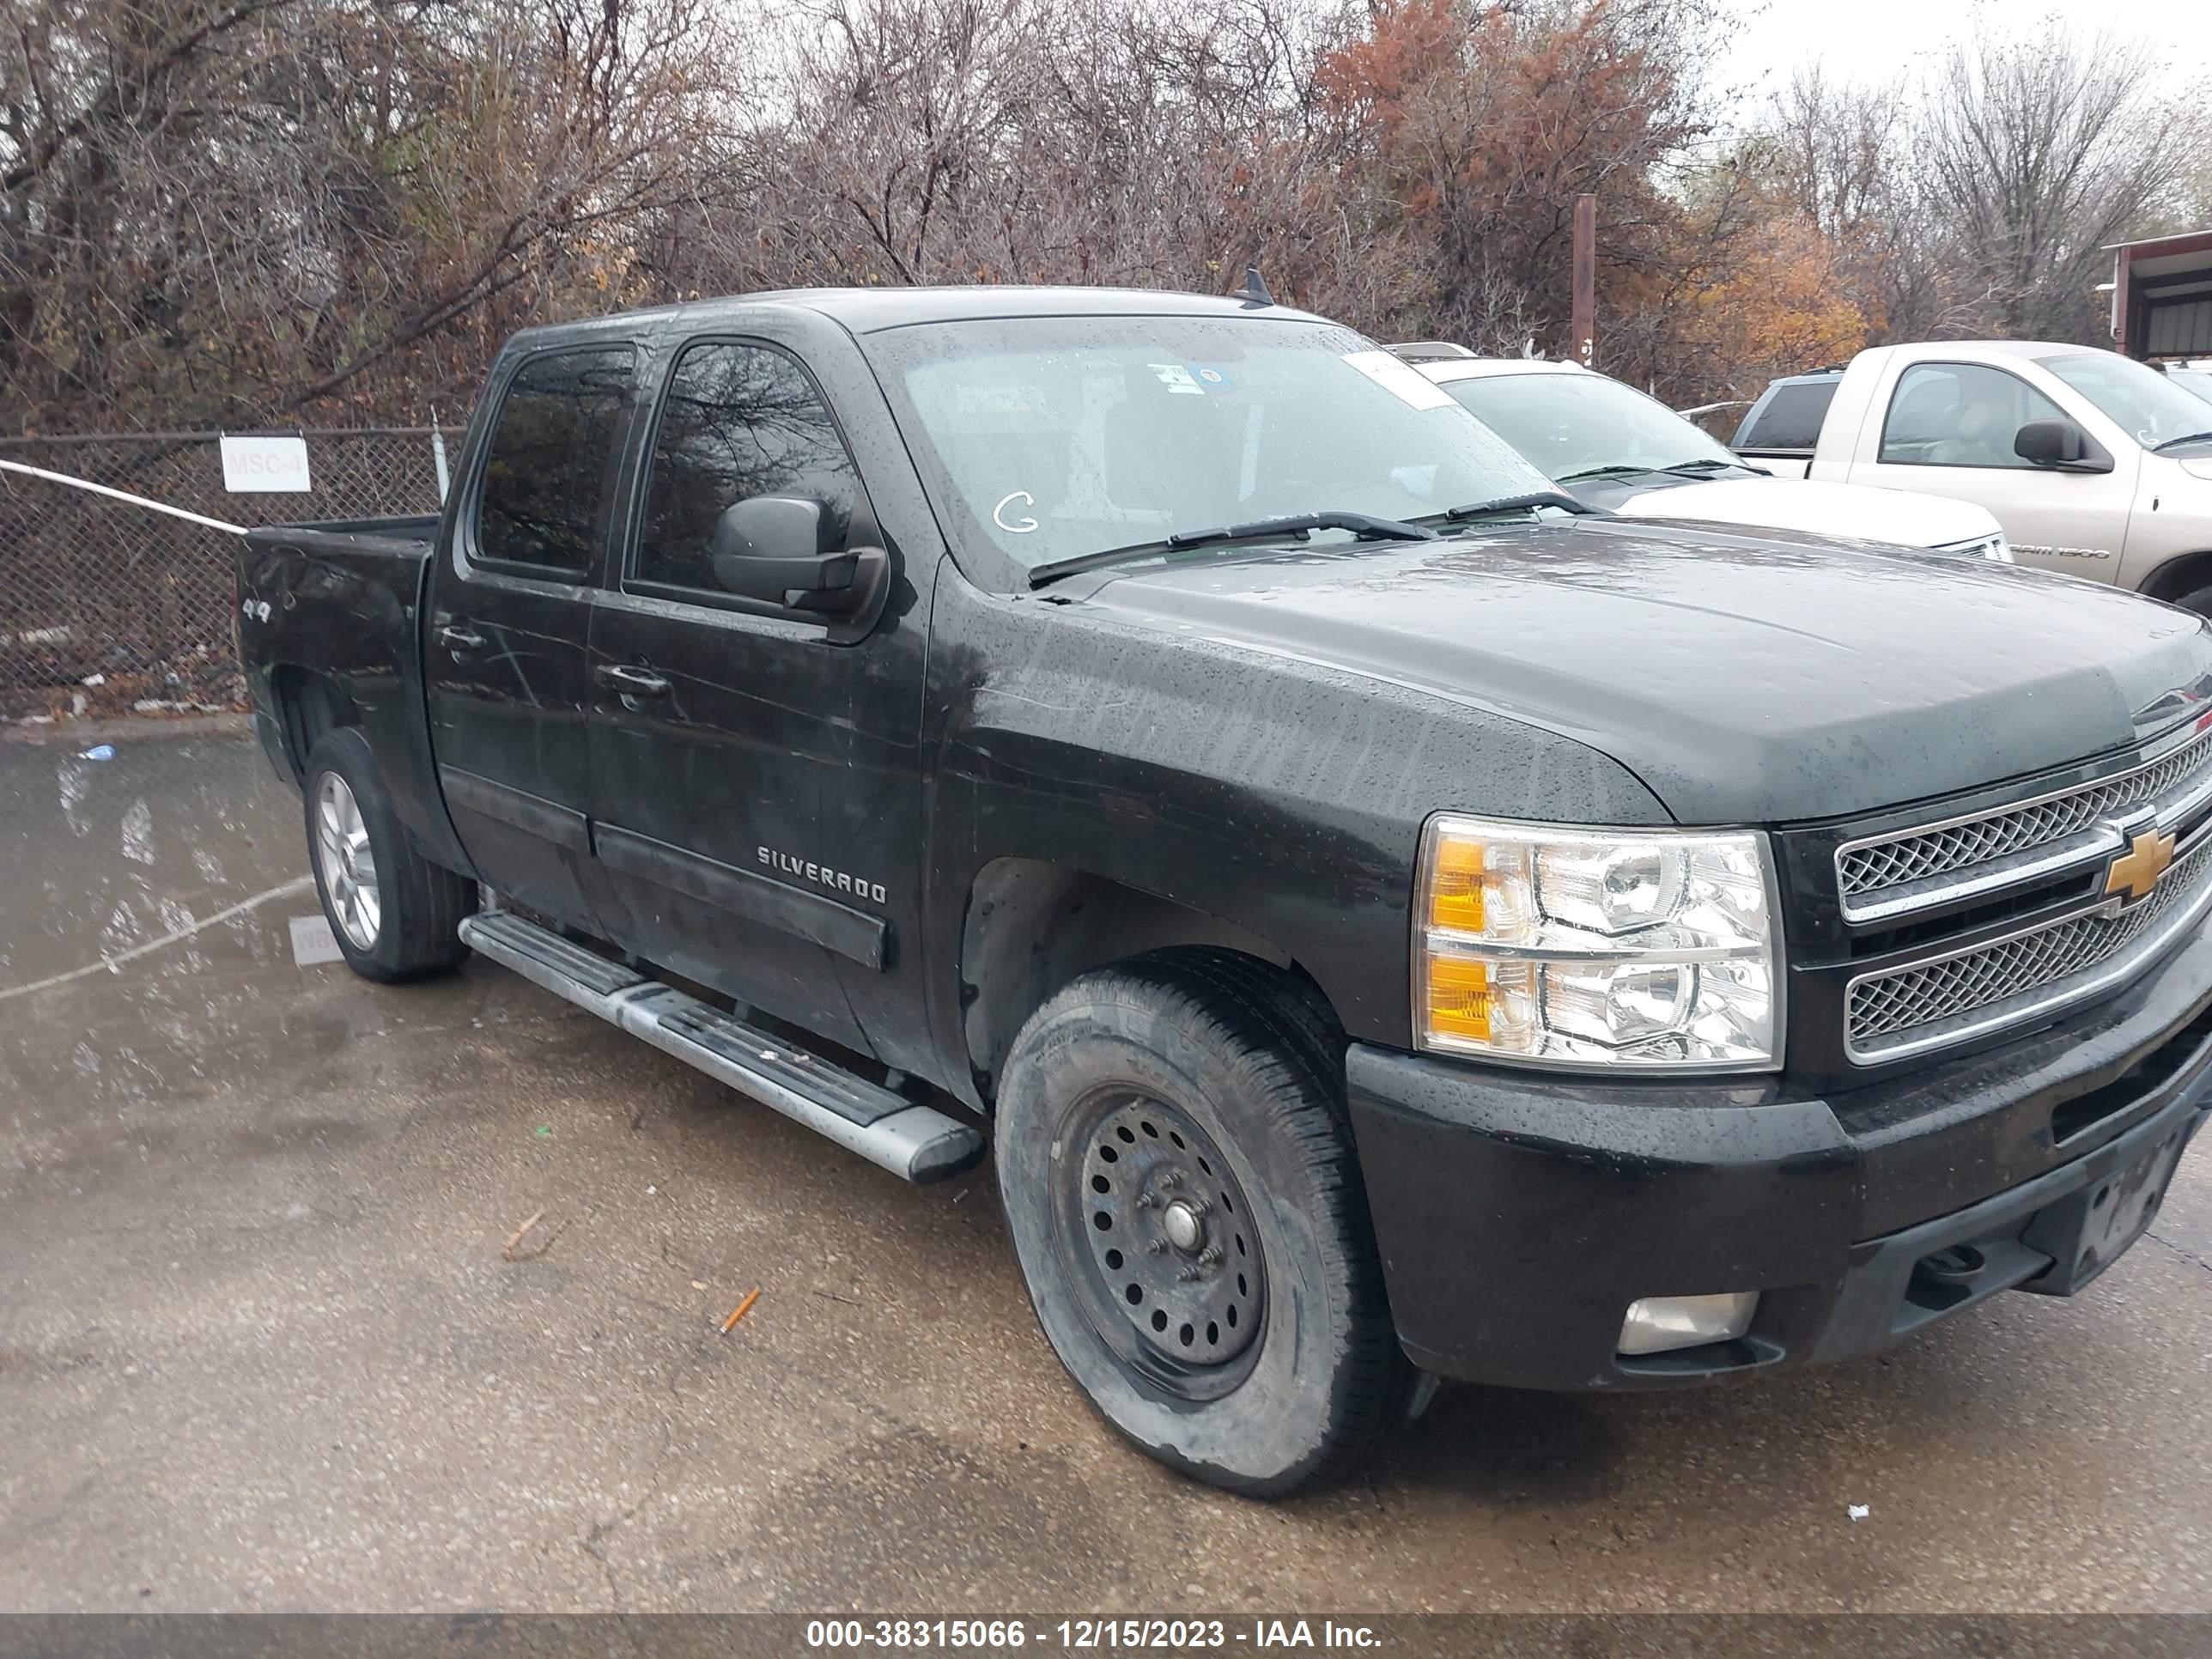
(2136, 871)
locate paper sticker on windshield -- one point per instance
(1012, 402)
(1175, 377)
(1409, 383)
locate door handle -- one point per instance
(457, 639)
(631, 682)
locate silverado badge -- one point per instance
(2136, 871)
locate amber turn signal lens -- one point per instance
(1455, 886)
(1460, 992)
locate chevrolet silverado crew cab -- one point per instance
(2096, 464)
(1391, 919)
(1614, 448)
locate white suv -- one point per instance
(1611, 446)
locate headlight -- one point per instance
(1632, 948)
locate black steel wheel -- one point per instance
(1177, 1284)
(1177, 1168)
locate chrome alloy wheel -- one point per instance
(348, 866)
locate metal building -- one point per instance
(2162, 297)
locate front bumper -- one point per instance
(1519, 1213)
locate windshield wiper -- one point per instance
(1522, 503)
(2185, 437)
(1625, 469)
(1364, 526)
(1614, 469)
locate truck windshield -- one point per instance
(1054, 437)
(1577, 426)
(2154, 410)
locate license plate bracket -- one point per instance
(2091, 1228)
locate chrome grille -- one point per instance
(1993, 546)
(1919, 855)
(1938, 1001)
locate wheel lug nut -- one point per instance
(1148, 1201)
(1210, 1256)
(1171, 1179)
(1157, 1247)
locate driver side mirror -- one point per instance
(2061, 445)
(782, 550)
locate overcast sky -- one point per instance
(1867, 40)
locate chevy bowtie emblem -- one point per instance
(2136, 871)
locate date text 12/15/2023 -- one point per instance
(1085, 1635)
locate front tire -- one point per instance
(393, 912)
(1177, 1172)
(2198, 599)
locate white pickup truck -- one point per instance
(2096, 464)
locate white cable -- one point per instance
(109, 965)
(121, 496)
(298, 883)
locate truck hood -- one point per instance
(1903, 517)
(1743, 679)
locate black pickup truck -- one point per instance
(1393, 921)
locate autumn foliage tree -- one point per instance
(1978, 198)
(224, 211)
(1483, 122)
(1773, 307)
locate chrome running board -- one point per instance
(915, 1142)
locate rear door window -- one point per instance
(1789, 417)
(1960, 415)
(550, 469)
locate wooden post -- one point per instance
(1585, 306)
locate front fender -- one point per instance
(1280, 796)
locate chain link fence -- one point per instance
(107, 609)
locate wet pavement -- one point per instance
(260, 1347)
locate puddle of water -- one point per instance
(104, 855)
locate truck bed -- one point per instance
(333, 610)
(415, 530)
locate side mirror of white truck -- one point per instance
(2060, 444)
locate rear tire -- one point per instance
(394, 914)
(1176, 1167)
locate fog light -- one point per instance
(1658, 1323)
